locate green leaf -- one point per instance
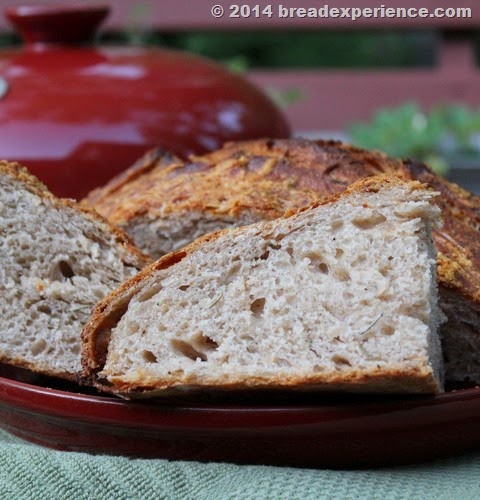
(407, 131)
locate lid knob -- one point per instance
(44, 25)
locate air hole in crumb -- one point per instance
(338, 253)
(133, 327)
(282, 362)
(369, 221)
(65, 269)
(185, 349)
(384, 271)
(149, 357)
(328, 308)
(289, 250)
(316, 262)
(99, 294)
(38, 347)
(257, 307)
(342, 274)
(347, 295)
(323, 268)
(182, 288)
(337, 224)
(202, 342)
(387, 330)
(314, 257)
(247, 337)
(45, 309)
(233, 271)
(149, 293)
(341, 360)
(359, 260)
(265, 255)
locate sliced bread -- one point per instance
(339, 296)
(56, 261)
(164, 203)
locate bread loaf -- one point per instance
(339, 296)
(56, 261)
(164, 203)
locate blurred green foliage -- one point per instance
(434, 137)
(294, 49)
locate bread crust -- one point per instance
(353, 381)
(264, 178)
(458, 239)
(34, 367)
(96, 334)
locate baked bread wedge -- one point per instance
(164, 203)
(56, 261)
(339, 296)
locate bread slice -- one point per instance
(56, 261)
(339, 296)
(164, 203)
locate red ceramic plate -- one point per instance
(319, 431)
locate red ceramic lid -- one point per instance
(76, 115)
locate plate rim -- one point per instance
(111, 409)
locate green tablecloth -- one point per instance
(31, 472)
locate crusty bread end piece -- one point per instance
(339, 296)
(57, 261)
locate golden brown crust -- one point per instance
(458, 240)
(375, 381)
(96, 334)
(261, 177)
(42, 370)
(31, 183)
(154, 159)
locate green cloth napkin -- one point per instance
(29, 472)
